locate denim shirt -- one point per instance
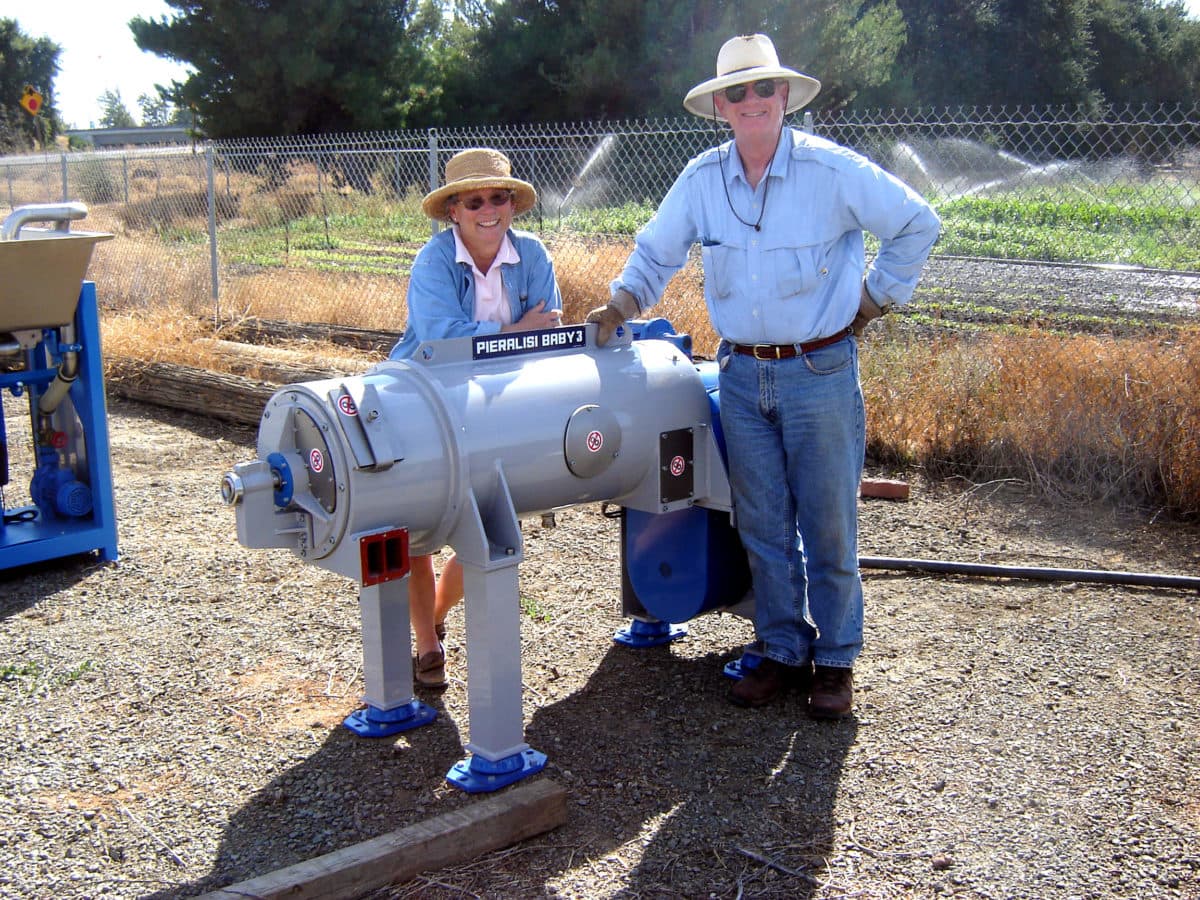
(441, 291)
(799, 278)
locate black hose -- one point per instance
(1030, 572)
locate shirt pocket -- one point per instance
(796, 271)
(722, 263)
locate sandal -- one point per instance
(429, 669)
(440, 629)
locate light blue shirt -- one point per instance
(441, 290)
(800, 278)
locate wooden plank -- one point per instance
(523, 811)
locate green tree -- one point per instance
(584, 59)
(1145, 52)
(276, 67)
(156, 111)
(25, 60)
(114, 112)
(993, 52)
(1043, 52)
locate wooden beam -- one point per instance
(266, 330)
(523, 811)
(218, 395)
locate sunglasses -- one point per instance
(737, 93)
(497, 200)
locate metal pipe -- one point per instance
(60, 213)
(1029, 572)
(68, 372)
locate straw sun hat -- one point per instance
(743, 59)
(478, 169)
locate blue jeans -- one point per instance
(796, 431)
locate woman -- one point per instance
(479, 277)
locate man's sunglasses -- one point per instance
(498, 200)
(737, 93)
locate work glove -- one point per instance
(868, 311)
(622, 307)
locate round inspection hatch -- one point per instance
(592, 441)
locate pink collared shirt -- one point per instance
(491, 304)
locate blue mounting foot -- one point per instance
(738, 668)
(373, 722)
(476, 775)
(640, 633)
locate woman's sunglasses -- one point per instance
(497, 200)
(737, 93)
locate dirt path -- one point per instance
(171, 723)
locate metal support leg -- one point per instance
(488, 544)
(500, 755)
(387, 664)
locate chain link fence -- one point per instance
(224, 226)
(324, 229)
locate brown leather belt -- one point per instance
(787, 351)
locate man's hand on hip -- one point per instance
(868, 311)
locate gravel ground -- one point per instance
(171, 722)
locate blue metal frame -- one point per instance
(41, 537)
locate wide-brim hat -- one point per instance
(747, 58)
(478, 169)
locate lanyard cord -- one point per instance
(757, 224)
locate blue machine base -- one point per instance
(377, 723)
(38, 539)
(738, 668)
(476, 775)
(639, 633)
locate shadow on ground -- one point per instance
(658, 766)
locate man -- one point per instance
(780, 217)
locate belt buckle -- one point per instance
(760, 351)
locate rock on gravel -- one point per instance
(171, 722)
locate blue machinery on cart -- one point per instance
(50, 354)
(453, 447)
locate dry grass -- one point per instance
(166, 335)
(1110, 418)
(585, 267)
(360, 301)
(1088, 416)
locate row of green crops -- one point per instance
(1153, 224)
(1146, 225)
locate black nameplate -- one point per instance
(568, 337)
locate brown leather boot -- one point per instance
(832, 693)
(762, 684)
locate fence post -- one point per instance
(212, 234)
(808, 121)
(433, 176)
(65, 190)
